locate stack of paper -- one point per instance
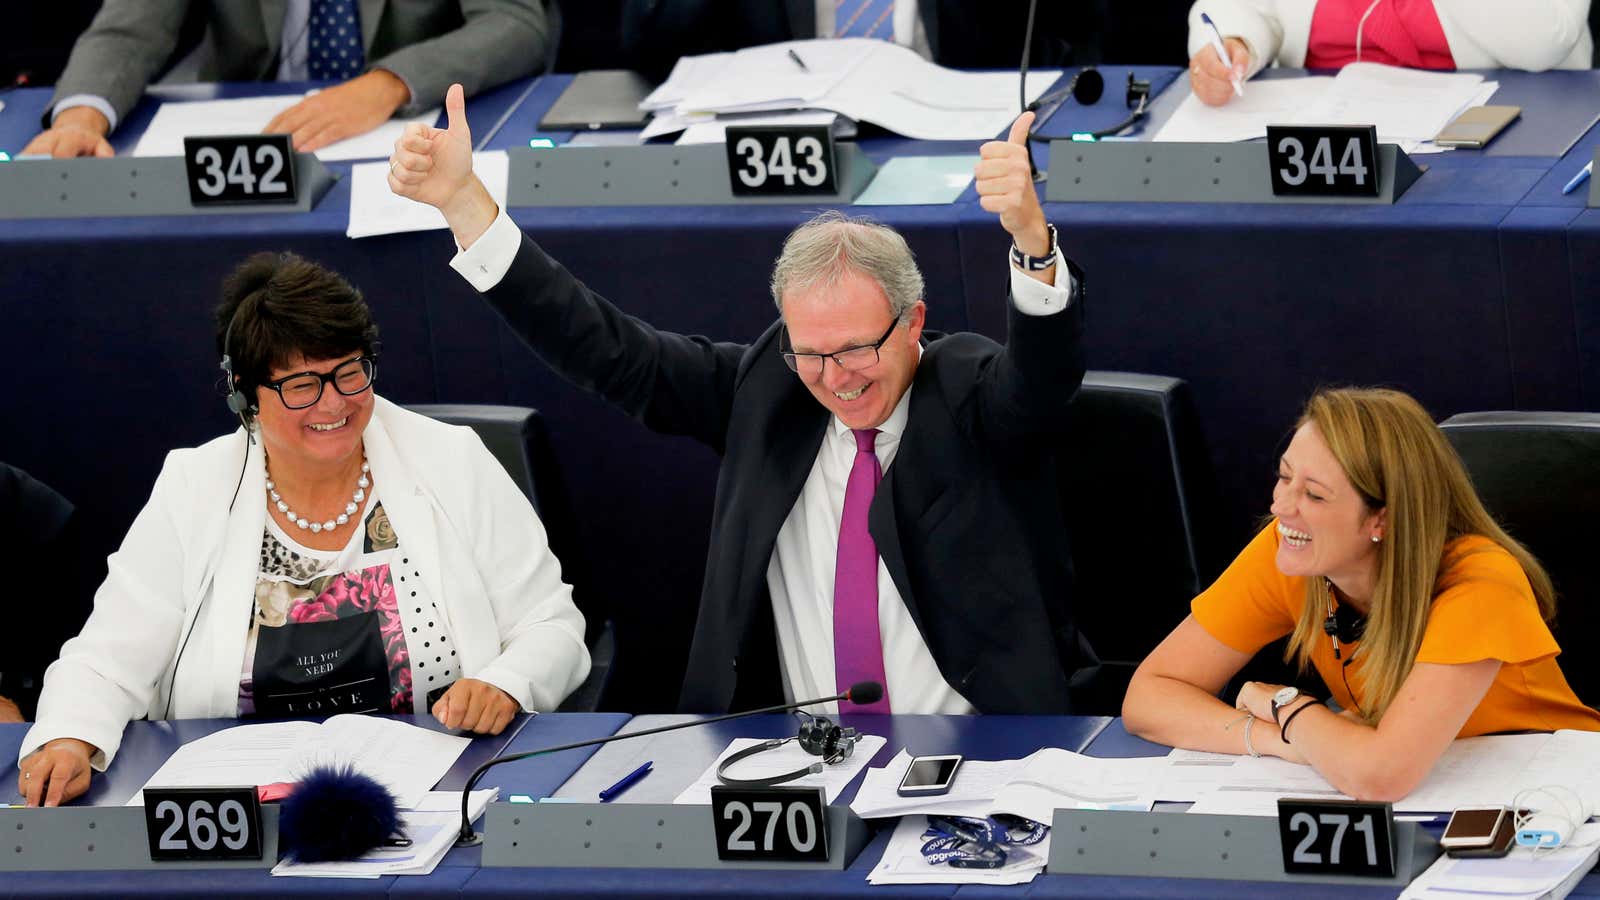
(402, 757)
(1032, 787)
(782, 759)
(1522, 874)
(903, 862)
(432, 829)
(1408, 106)
(866, 80)
(175, 121)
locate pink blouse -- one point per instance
(1397, 33)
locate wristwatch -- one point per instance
(1282, 698)
(1036, 263)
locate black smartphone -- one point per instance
(1481, 831)
(928, 776)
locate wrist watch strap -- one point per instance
(1036, 263)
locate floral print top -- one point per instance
(298, 586)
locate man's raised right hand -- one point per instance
(434, 166)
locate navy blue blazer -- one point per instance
(967, 519)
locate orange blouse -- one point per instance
(1485, 609)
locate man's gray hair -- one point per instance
(818, 253)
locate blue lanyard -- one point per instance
(971, 843)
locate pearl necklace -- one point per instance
(362, 483)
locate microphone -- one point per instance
(860, 693)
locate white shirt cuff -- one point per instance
(1035, 298)
(487, 260)
(90, 100)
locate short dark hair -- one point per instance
(280, 306)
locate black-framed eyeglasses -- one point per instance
(303, 389)
(851, 359)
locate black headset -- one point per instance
(818, 736)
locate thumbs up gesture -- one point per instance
(434, 165)
(1005, 187)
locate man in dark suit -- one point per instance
(390, 56)
(886, 505)
(961, 34)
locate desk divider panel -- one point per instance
(131, 186)
(1129, 172)
(97, 838)
(696, 175)
(1180, 845)
(635, 836)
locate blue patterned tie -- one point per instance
(864, 18)
(334, 53)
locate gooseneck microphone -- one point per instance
(862, 693)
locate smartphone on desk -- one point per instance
(1479, 831)
(1476, 127)
(929, 776)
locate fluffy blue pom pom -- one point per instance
(335, 813)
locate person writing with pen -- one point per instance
(1244, 36)
(1423, 618)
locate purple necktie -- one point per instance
(857, 644)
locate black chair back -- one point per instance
(1538, 474)
(1141, 500)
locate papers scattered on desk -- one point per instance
(1408, 106)
(374, 209)
(903, 862)
(249, 115)
(866, 80)
(785, 759)
(432, 828)
(406, 759)
(714, 130)
(1032, 787)
(1523, 873)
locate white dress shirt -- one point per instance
(800, 573)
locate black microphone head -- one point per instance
(865, 692)
(1088, 87)
(1330, 625)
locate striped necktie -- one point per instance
(864, 18)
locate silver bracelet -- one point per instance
(1249, 719)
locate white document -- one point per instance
(1404, 104)
(375, 209)
(406, 759)
(786, 758)
(1052, 779)
(1269, 102)
(715, 129)
(903, 862)
(1522, 873)
(866, 80)
(249, 115)
(432, 828)
(976, 784)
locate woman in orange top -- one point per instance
(1426, 621)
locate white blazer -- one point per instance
(188, 564)
(1483, 34)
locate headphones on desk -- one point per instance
(818, 736)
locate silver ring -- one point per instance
(393, 166)
(26, 776)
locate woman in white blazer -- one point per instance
(1479, 34)
(336, 554)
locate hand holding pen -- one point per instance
(1217, 71)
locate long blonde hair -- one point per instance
(1399, 460)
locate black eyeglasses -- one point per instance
(809, 366)
(303, 389)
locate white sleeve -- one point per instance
(486, 261)
(1035, 298)
(1532, 34)
(542, 654)
(1248, 20)
(89, 100)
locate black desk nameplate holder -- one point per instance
(636, 836)
(1129, 172)
(129, 186)
(696, 175)
(1180, 845)
(98, 838)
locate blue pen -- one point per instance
(1579, 178)
(627, 781)
(1222, 51)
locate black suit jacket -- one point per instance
(967, 519)
(964, 34)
